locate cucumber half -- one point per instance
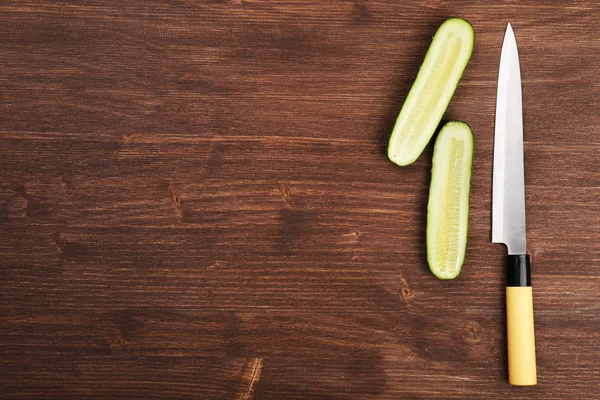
(448, 207)
(428, 98)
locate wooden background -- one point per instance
(195, 202)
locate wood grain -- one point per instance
(195, 202)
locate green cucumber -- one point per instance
(448, 207)
(428, 98)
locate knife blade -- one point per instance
(508, 215)
(508, 210)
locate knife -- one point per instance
(508, 215)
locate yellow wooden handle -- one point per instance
(521, 339)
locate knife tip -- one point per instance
(509, 29)
(509, 36)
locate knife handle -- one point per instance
(519, 315)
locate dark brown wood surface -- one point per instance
(195, 202)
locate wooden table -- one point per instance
(195, 202)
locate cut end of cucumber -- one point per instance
(448, 207)
(434, 86)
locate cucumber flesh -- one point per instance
(448, 207)
(428, 98)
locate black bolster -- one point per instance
(519, 272)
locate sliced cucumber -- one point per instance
(428, 98)
(448, 207)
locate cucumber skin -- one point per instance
(389, 153)
(464, 250)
